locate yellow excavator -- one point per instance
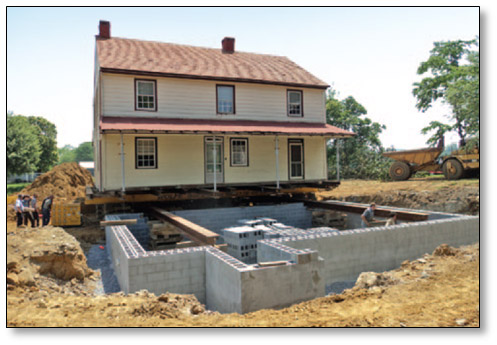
(454, 165)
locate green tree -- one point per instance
(84, 152)
(23, 149)
(47, 139)
(454, 78)
(360, 156)
(67, 154)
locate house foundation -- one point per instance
(289, 265)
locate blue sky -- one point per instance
(369, 53)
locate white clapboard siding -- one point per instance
(180, 160)
(196, 99)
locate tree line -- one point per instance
(451, 75)
(32, 146)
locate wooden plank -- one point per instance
(118, 222)
(272, 263)
(192, 230)
(357, 208)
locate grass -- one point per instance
(16, 187)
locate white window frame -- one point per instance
(137, 94)
(218, 108)
(232, 163)
(137, 153)
(289, 104)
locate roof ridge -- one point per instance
(191, 46)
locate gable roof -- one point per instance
(120, 55)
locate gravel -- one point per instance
(338, 287)
(98, 259)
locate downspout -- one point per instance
(276, 151)
(215, 168)
(338, 159)
(123, 188)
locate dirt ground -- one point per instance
(50, 285)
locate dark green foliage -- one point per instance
(23, 148)
(67, 154)
(84, 152)
(454, 69)
(360, 156)
(47, 139)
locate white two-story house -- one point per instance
(176, 115)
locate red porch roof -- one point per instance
(156, 125)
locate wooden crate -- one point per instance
(66, 214)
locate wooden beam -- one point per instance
(118, 222)
(194, 231)
(357, 208)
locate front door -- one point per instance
(296, 159)
(214, 167)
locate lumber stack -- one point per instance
(163, 235)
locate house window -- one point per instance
(239, 152)
(146, 95)
(225, 99)
(294, 99)
(146, 153)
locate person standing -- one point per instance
(35, 213)
(368, 216)
(46, 207)
(26, 213)
(392, 219)
(19, 207)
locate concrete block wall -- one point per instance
(140, 230)
(122, 247)
(281, 286)
(314, 260)
(216, 219)
(348, 253)
(178, 270)
(223, 282)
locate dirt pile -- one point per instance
(462, 196)
(459, 200)
(47, 251)
(169, 305)
(67, 182)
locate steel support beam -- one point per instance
(357, 208)
(194, 231)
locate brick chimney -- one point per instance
(228, 45)
(104, 29)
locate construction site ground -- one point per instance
(50, 285)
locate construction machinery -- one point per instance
(454, 166)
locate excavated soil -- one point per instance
(66, 182)
(50, 284)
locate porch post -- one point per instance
(215, 168)
(276, 151)
(338, 158)
(123, 188)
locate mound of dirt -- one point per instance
(170, 305)
(45, 251)
(66, 182)
(453, 200)
(445, 250)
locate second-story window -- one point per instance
(145, 93)
(294, 103)
(225, 99)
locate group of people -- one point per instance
(368, 216)
(27, 208)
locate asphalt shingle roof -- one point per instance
(167, 59)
